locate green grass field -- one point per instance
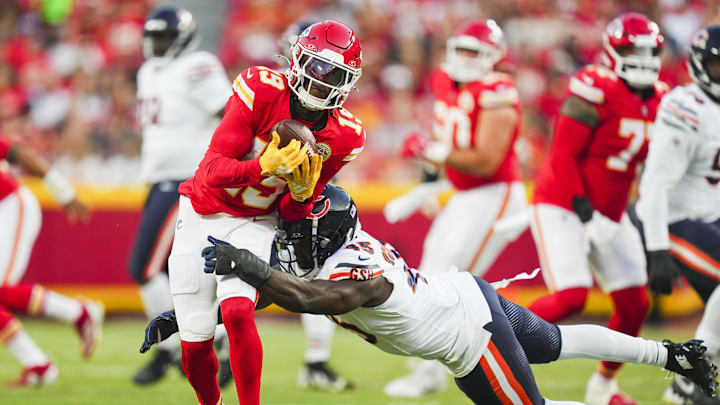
(106, 378)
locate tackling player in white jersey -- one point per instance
(182, 94)
(680, 197)
(364, 285)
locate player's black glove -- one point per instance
(223, 259)
(663, 271)
(159, 329)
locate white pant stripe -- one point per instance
(502, 378)
(694, 259)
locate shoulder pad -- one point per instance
(439, 81)
(498, 91)
(257, 79)
(661, 88)
(590, 83)
(202, 67)
(680, 110)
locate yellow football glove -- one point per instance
(303, 179)
(276, 162)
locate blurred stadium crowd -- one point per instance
(67, 69)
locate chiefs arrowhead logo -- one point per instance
(324, 150)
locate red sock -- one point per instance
(245, 348)
(26, 298)
(631, 307)
(9, 325)
(201, 368)
(560, 304)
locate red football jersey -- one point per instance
(456, 111)
(228, 178)
(8, 184)
(603, 165)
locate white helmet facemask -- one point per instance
(464, 68)
(641, 68)
(323, 72)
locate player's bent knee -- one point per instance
(198, 327)
(237, 309)
(572, 299)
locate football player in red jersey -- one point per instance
(579, 219)
(243, 179)
(20, 217)
(476, 122)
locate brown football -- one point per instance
(290, 129)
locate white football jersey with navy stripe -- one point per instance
(432, 316)
(684, 162)
(178, 104)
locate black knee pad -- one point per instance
(539, 339)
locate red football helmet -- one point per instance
(325, 65)
(474, 50)
(632, 44)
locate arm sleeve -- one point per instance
(232, 141)
(671, 148)
(5, 146)
(570, 137)
(209, 85)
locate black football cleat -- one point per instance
(688, 359)
(155, 369)
(321, 377)
(685, 392)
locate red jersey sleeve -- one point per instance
(225, 163)
(498, 90)
(5, 146)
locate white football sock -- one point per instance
(599, 343)
(26, 351)
(551, 402)
(709, 328)
(156, 296)
(319, 331)
(60, 307)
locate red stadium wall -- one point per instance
(90, 259)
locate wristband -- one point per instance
(60, 187)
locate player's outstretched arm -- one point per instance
(60, 187)
(290, 292)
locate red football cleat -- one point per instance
(36, 376)
(619, 398)
(89, 326)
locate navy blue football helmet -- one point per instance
(169, 31)
(303, 246)
(705, 48)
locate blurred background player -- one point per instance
(319, 330)
(581, 192)
(20, 218)
(182, 94)
(242, 181)
(679, 202)
(476, 122)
